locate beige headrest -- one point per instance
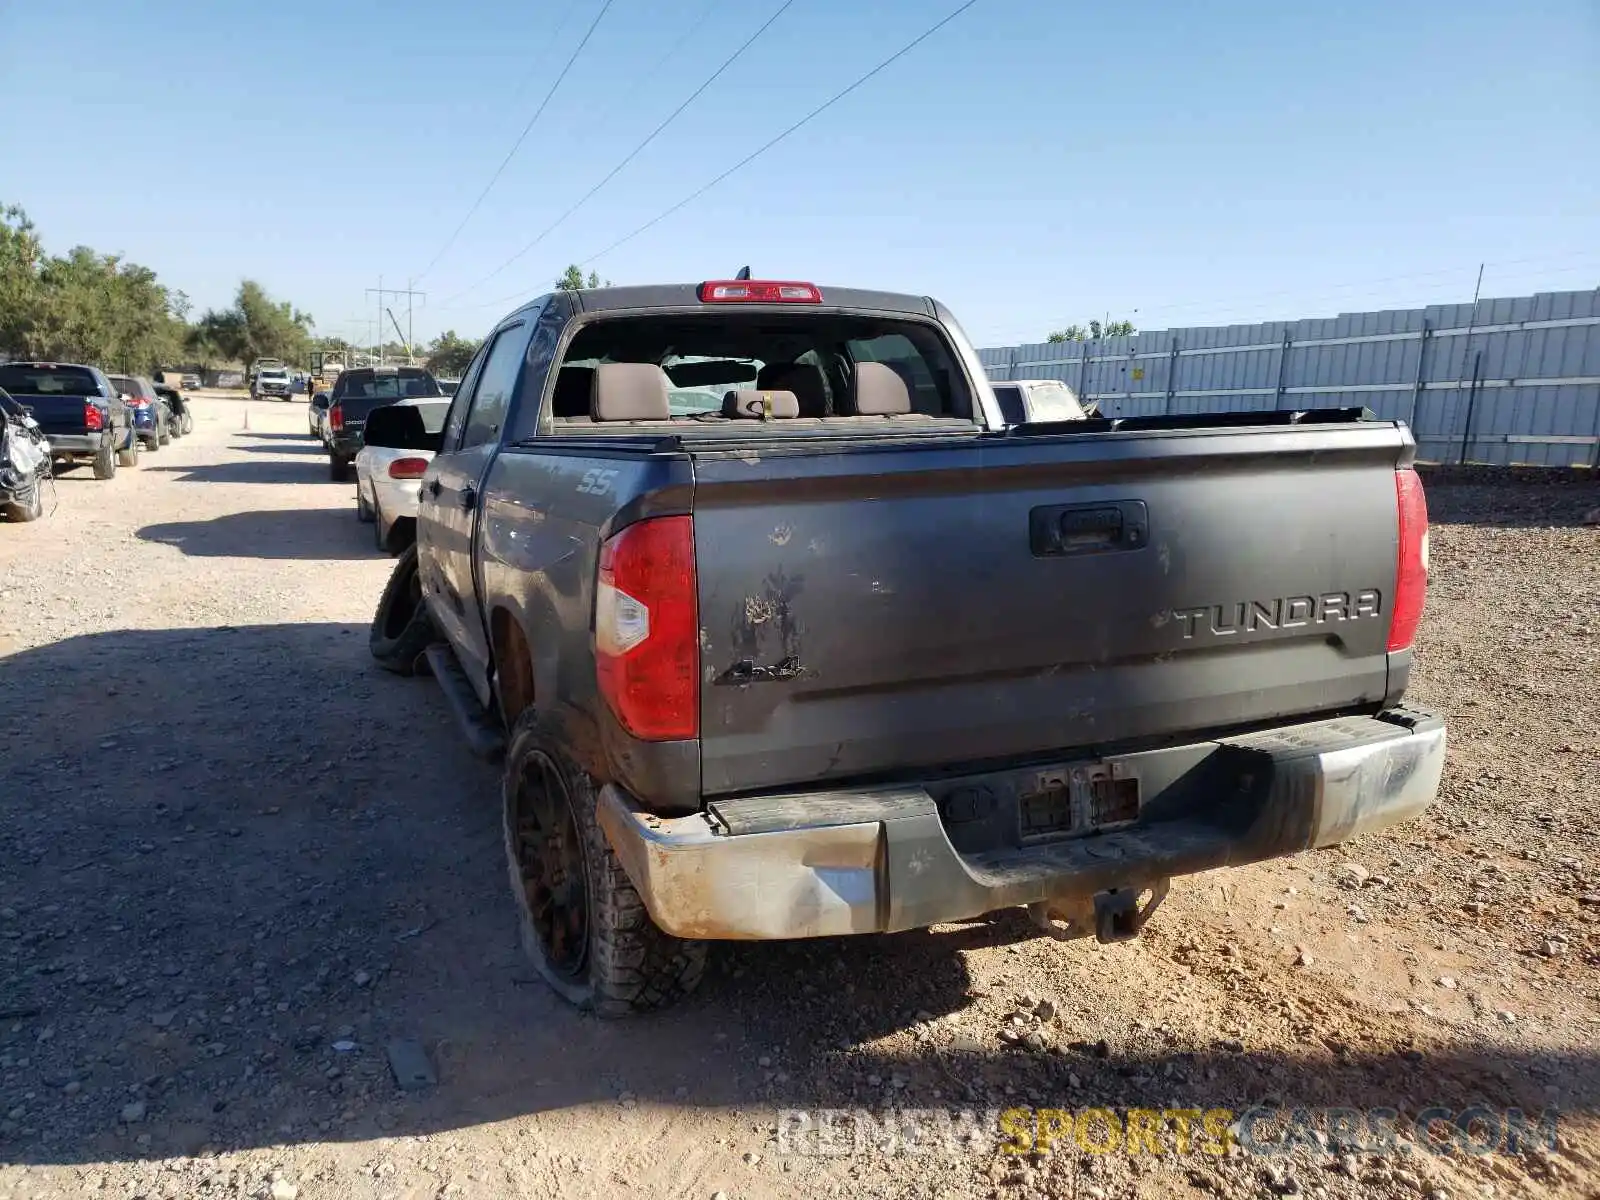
(760, 405)
(880, 391)
(630, 392)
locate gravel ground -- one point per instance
(239, 863)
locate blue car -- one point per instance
(148, 412)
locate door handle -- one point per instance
(433, 486)
(468, 498)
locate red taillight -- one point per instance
(93, 418)
(1411, 560)
(336, 418)
(407, 468)
(647, 630)
(758, 291)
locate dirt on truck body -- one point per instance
(784, 631)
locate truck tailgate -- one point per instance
(910, 606)
(55, 414)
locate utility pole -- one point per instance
(409, 294)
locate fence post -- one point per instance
(1422, 373)
(1283, 370)
(1083, 372)
(1172, 376)
(1472, 403)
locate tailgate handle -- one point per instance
(1059, 530)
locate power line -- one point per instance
(521, 137)
(805, 120)
(641, 79)
(751, 157)
(632, 154)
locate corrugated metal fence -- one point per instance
(1502, 381)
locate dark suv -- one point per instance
(356, 393)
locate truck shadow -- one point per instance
(298, 446)
(240, 846)
(302, 468)
(290, 533)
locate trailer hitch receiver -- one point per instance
(1118, 915)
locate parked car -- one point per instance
(356, 393)
(149, 414)
(1024, 401)
(783, 633)
(317, 413)
(78, 410)
(398, 443)
(272, 383)
(24, 462)
(190, 383)
(447, 387)
(180, 419)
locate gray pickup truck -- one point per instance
(783, 631)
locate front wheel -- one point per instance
(583, 924)
(29, 503)
(401, 628)
(106, 459)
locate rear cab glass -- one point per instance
(403, 383)
(29, 379)
(433, 414)
(705, 356)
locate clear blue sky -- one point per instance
(1033, 164)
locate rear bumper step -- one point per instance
(829, 863)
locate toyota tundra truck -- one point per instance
(783, 631)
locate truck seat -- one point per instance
(630, 392)
(804, 380)
(574, 387)
(879, 391)
(752, 405)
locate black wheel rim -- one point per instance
(550, 859)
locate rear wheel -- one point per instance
(164, 434)
(338, 468)
(583, 924)
(129, 456)
(380, 536)
(187, 423)
(106, 459)
(401, 628)
(363, 509)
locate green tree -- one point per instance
(254, 326)
(21, 259)
(572, 280)
(449, 353)
(1094, 332)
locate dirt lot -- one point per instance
(236, 862)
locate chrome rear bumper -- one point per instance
(836, 862)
